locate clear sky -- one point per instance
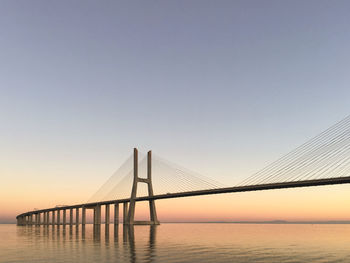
(220, 87)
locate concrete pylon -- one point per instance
(152, 208)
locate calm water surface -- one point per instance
(177, 243)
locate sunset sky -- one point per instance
(221, 87)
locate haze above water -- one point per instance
(177, 243)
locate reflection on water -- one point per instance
(176, 243)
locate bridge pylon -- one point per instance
(130, 220)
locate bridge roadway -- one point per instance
(26, 218)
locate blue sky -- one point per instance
(221, 87)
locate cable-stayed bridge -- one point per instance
(323, 160)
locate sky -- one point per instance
(221, 87)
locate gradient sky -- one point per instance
(220, 87)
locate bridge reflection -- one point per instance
(124, 239)
(128, 238)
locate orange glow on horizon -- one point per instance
(302, 204)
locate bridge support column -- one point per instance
(64, 217)
(116, 213)
(71, 216)
(152, 208)
(53, 219)
(107, 215)
(125, 213)
(97, 215)
(39, 219)
(83, 216)
(58, 217)
(31, 219)
(77, 216)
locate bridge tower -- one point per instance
(152, 207)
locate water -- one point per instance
(177, 243)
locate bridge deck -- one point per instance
(234, 189)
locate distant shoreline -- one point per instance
(273, 222)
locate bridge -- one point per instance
(323, 160)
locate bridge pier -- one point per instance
(53, 217)
(83, 216)
(20, 221)
(116, 213)
(64, 217)
(125, 213)
(77, 216)
(71, 216)
(107, 214)
(97, 215)
(58, 217)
